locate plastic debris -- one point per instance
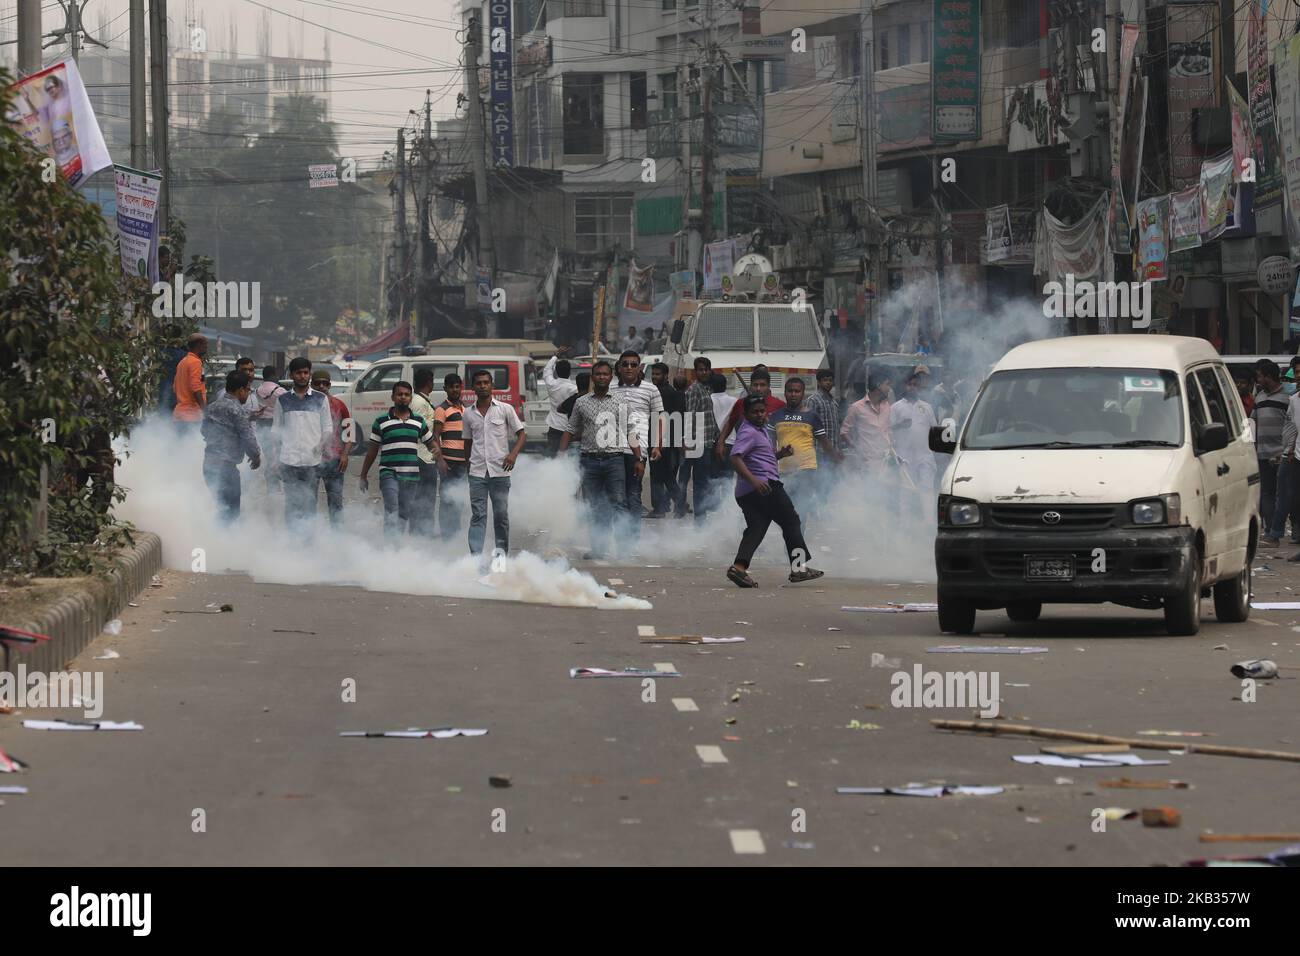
(625, 672)
(857, 725)
(1260, 670)
(9, 764)
(889, 663)
(81, 725)
(692, 639)
(109, 655)
(113, 627)
(1120, 813)
(15, 791)
(918, 790)
(438, 732)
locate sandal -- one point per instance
(808, 574)
(741, 578)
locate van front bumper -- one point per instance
(988, 566)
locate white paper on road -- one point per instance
(1275, 605)
(893, 608)
(10, 764)
(984, 649)
(938, 791)
(625, 672)
(693, 639)
(14, 790)
(1090, 760)
(81, 725)
(440, 733)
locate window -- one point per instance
(882, 51)
(1215, 403)
(1021, 28)
(904, 45)
(1194, 403)
(1234, 412)
(381, 379)
(500, 375)
(636, 87)
(583, 8)
(725, 327)
(584, 114)
(785, 330)
(601, 221)
(668, 93)
(530, 15)
(440, 372)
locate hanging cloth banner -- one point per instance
(1242, 152)
(1263, 117)
(1216, 196)
(52, 112)
(1153, 246)
(1118, 216)
(1185, 220)
(1079, 250)
(640, 289)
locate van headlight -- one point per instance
(1166, 510)
(958, 512)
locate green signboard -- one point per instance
(955, 71)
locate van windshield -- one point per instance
(1077, 408)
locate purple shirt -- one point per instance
(754, 446)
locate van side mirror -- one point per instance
(679, 329)
(1212, 437)
(940, 444)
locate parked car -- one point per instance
(1100, 468)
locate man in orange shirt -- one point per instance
(191, 394)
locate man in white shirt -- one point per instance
(555, 376)
(266, 394)
(633, 342)
(645, 406)
(426, 499)
(489, 424)
(303, 425)
(910, 421)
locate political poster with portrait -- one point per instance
(52, 112)
(640, 289)
(1153, 245)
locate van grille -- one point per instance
(1073, 517)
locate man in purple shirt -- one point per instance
(762, 498)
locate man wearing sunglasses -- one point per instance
(645, 410)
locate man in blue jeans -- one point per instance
(229, 438)
(394, 438)
(334, 458)
(489, 425)
(605, 430)
(302, 424)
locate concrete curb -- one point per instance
(78, 619)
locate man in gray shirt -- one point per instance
(1269, 415)
(229, 436)
(600, 420)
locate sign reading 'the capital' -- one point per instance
(501, 117)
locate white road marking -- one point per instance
(645, 630)
(710, 753)
(747, 841)
(684, 703)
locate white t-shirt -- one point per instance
(644, 405)
(722, 406)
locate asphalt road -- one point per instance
(242, 718)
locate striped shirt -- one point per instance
(1270, 418)
(828, 410)
(399, 440)
(452, 439)
(699, 398)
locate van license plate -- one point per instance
(1049, 568)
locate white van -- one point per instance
(1100, 468)
(514, 382)
(737, 336)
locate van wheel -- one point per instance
(1232, 598)
(1024, 611)
(1183, 611)
(956, 616)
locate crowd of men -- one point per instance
(777, 458)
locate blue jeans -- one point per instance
(426, 501)
(451, 499)
(604, 490)
(632, 488)
(480, 490)
(1286, 501)
(299, 495)
(333, 478)
(399, 503)
(222, 478)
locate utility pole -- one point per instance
(424, 324)
(138, 134)
(29, 36)
(873, 273)
(400, 254)
(158, 87)
(937, 325)
(486, 252)
(706, 131)
(71, 32)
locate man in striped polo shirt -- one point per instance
(395, 438)
(449, 431)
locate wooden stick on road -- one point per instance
(1250, 837)
(1029, 731)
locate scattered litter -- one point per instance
(1063, 781)
(1033, 819)
(984, 649)
(113, 627)
(744, 623)
(1262, 670)
(797, 845)
(914, 790)
(1089, 760)
(452, 789)
(1220, 647)
(1017, 685)
(1124, 783)
(10, 764)
(16, 791)
(109, 655)
(844, 647)
(1174, 733)
(132, 604)
(156, 582)
(1275, 605)
(892, 608)
(799, 664)
(834, 629)
(731, 739)
(615, 582)
(730, 720)
(855, 725)
(735, 698)
(1252, 838)
(889, 663)
(1161, 817)
(439, 732)
(645, 630)
(692, 639)
(289, 630)
(499, 780)
(81, 725)
(819, 680)
(1120, 813)
(224, 609)
(625, 672)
